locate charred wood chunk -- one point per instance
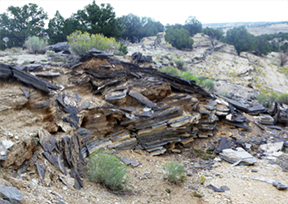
(73, 119)
(47, 141)
(25, 91)
(142, 99)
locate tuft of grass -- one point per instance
(174, 171)
(108, 170)
(208, 84)
(267, 100)
(176, 72)
(179, 63)
(43, 60)
(283, 98)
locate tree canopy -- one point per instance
(20, 22)
(179, 38)
(193, 25)
(98, 19)
(241, 39)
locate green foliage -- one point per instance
(174, 171)
(179, 38)
(214, 33)
(283, 98)
(193, 25)
(59, 28)
(241, 39)
(267, 100)
(108, 170)
(176, 72)
(179, 63)
(98, 19)
(134, 28)
(20, 22)
(80, 43)
(208, 84)
(262, 46)
(123, 49)
(35, 44)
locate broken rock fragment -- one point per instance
(240, 155)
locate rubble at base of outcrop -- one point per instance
(104, 103)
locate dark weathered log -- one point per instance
(142, 99)
(34, 81)
(5, 71)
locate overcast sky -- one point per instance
(172, 11)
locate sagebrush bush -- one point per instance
(179, 63)
(283, 98)
(35, 44)
(108, 170)
(50, 53)
(80, 43)
(267, 100)
(208, 84)
(175, 172)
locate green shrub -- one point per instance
(267, 101)
(175, 172)
(50, 53)
(123, 49)
(179, 63)
(108, 170)
(176, 72)
(208, 84)
(80, 43)
(283, 98)
(35, 44)
(179, 38)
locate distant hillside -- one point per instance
(255, 28)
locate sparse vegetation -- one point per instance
(35, 44)
(174, 171)
(283, 98)
(50, 53)
(208, 84)
(179, 63)
(108, 170)
(267, 100)
(176, 72)
(80, 43)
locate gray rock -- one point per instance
(240, 155)
(215, 189)
(225, 188)
(12, 194)
(3, 153)
(280, 186)
(270, 148)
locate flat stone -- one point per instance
(11, 194)
(275, 127)
(225, 188)
(280, 186)
(240, 154)
(131, 162)
(7, 143)
(270, 148)
(266, 180)
(215, 189)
